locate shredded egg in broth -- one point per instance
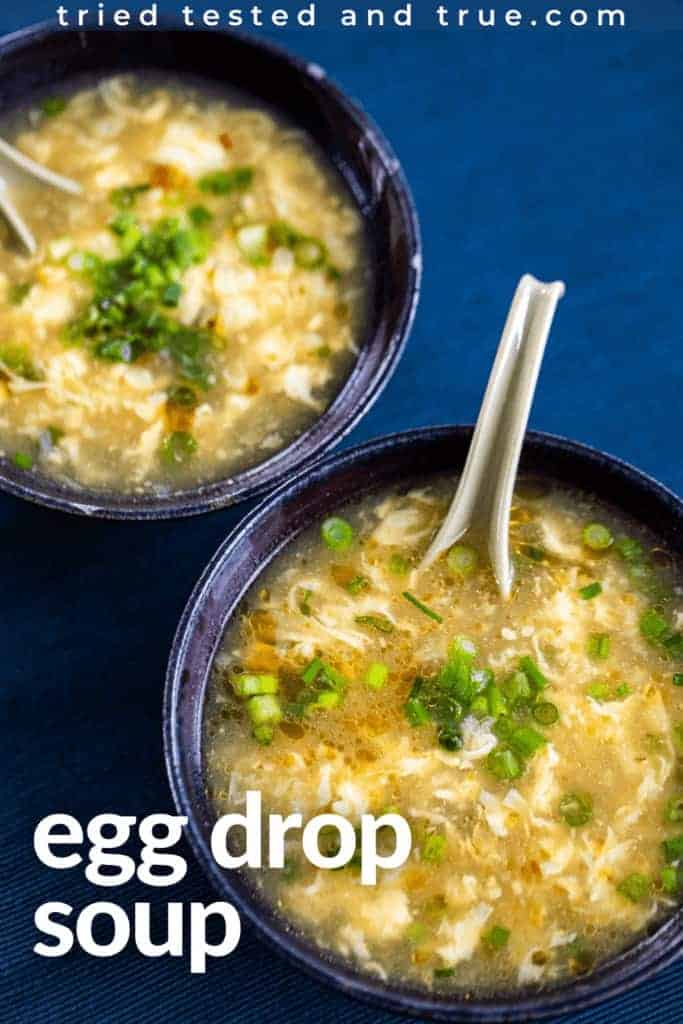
(535, 747)
(194, 310)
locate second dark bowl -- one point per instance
(42, 58)
(397, 460)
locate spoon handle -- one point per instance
(36, 170)
(16, 221)
(485, 489)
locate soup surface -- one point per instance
(193, 310)
(534, 746)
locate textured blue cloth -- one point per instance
(560, 154)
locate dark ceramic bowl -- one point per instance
(42, 58)
(391, 461)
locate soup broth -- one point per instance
(533, 746)
(194, 310)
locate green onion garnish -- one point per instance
(533, 672)
(635, 887)
(674, 809)
(398, 565)
(598, 646)
(178, 448)
(221, 183)
(545, 713)
(19, 291)
(590, 591)
(305, 602)
(503, 764)
(433, 849)
(357, 584)
(199, 216)
(310, 673)
(376, 675)
(576, 808)
(497, 937)
(23, 460)
(525, 741)
(337, 533)
(673, 849)
(462, 560)
(630, 550)
(379, 622)
(597, 537)
(429, 612)
(53, 105)
(670, 880)
(125, 196)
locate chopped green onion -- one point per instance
(533, 672)
(53, 105)
(183, 396)
(305, 603)
(479, 707)
(517, 687)
(635, 887)
(462, 560)
(443, 972)
(629, 549)
(622, 691)
(598, 646)
(674, 809)
(398, 565)
(576, 808)
(416, 933)
(450, 738)
(309, 253)
(670, 880)
(545, 713)
(23, 460)
(422, 607)
(376, 675)
(199, 216)
(178, 448)
(415, 709)
(221, 183)
(263, 734)
(653, 626)
(252, 241)
(496, 701)
(264, 709)
(525, 741)
(673, 849)
(247, 685)
(171, 294)
(337, 533)
(597, 537)
(496, 937)
(19, 291)
(310, 673)
(599, 691)
(433, 849)
(358, 584)
(536, 554)
(677, 679)
(503, 764)
(125, 196)
(379, 622)
(590, 591)
(326, 700)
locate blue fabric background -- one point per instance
(558, 153)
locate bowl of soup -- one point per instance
(535, 746)
(225, 298)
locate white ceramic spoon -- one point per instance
(484, 495)
(16, 165)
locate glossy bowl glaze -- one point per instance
(42, 57)
(397, 460)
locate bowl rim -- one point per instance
(336, 421)
(646, 956)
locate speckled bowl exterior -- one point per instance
(399, 460)
(41, 58)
